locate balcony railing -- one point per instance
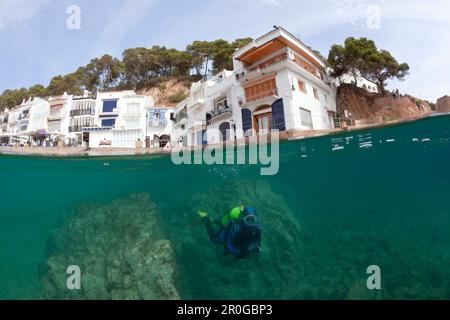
(212, 115)
(180, 116)
(55, 113)
(82, 112)
(75, 129)
(263, 94)
(157, 123)
(283, 55)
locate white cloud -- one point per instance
(14, 12)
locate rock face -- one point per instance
(204, 271)
(443, 104)
(162, 93)
(120, 249)
(375, 108)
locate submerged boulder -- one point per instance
(121, 250)
(204, 271)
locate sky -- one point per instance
(37, 44)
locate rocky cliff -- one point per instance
(168, 93)
(443, 104)
(121, 250)
(375, 108)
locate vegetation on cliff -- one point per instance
(139, 68)
(362, 58)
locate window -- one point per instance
(221, 105)
(157, 117)
(132, 123)
(109, 105)
(109, 123)
(306, 118)
(261, 90)
(316, 94)
(133, 108)
(302, 86)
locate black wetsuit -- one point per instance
(237, 238)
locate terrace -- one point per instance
(180, 116)
(285, 54)
(82, 112)
(218, 114)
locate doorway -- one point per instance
(262, 118)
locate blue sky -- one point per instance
(35, 43)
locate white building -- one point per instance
(277, 83)
(37, 129)
(27, 123)
(120, 120)
(58, 120)
(284, 85)
(81, 115)
(210, 106)
(361, 82)
(159, 127)
(4, 128)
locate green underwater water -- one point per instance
(382, 197)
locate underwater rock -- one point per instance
(204, 271)
(121, 250)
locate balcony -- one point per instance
(180, 116)
(82, 112)
(73, 129)
(218, 114)
(157, 122)
(55, 115)
(283, 55)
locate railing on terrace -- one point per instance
(263, 94)
(56, 113)
(308, 67)
(211, 115)
(282, 55)
(82, 112)
(157, 123)
(76, 129)
(180, 116)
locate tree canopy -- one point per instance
(138, 68)
(361, 58)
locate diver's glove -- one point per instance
(204, 216)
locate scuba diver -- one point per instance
(239, 233)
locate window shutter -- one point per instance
(246, 120)
(278, 119)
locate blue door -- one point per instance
(278, 119)
(247, 124)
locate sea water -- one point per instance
(376, 197)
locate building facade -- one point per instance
(159, 127)
(277, 83)
(120, 120)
